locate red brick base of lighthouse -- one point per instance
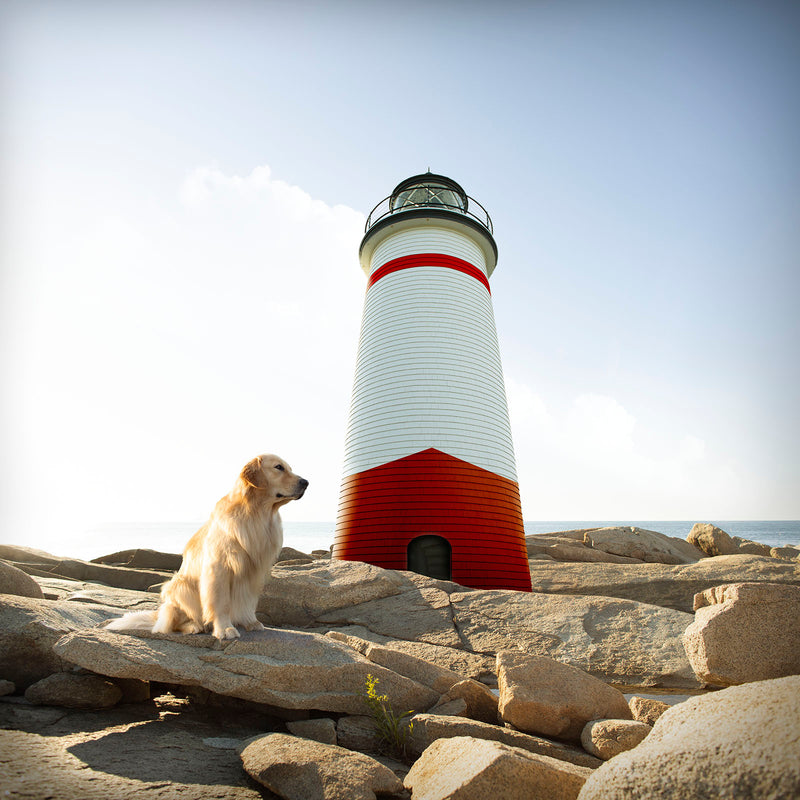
(430, 493)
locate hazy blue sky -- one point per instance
(185, 187)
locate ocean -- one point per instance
(307, 536)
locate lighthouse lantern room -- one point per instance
(430, 480)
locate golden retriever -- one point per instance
(227, 561)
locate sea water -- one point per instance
(171, 537)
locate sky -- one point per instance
(184, 190)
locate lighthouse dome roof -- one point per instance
(429, 190)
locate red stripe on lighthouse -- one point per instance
(382, 510)
(429, 260)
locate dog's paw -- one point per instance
(226, 633)
(253, 626)
(191, 627)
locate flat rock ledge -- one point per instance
(283, 668)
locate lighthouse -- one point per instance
(430, 481)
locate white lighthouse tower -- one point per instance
(429, 481)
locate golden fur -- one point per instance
(227, 561)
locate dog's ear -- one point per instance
(252, 474)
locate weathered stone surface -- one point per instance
(133, 691)
(606, 738)
(713, 541)
(15, 581)
(422, 615)
(302, 594)
(456, 707)
(299, 769)
(7, 687)
(480, 703)
(646, 709)
(358, 732)
(542, 696)
(748, 546)
(745, 632)
(419, 670)
(617, 640)
(290, 554)
(319, 730)
(464, 662)
(123, 599)
(659, 584)
(569, 546)
(29, 628)
(74, 691)
(740, 743)
(18, 553)
(121, 577)
(284, 668)
(168, 749)
(787, 552)
(644, 545)
(574, 552)
(142, 558)
(429, 728)
(475, 769)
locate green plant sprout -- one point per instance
(392, 729)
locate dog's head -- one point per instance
(272, 476)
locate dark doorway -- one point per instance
(431, 556)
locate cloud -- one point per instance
(161, 347)
(592, 459)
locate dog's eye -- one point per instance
(279, 467)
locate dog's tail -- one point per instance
(133, 621)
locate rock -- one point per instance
(644, 545)
(15, 581)
(737, 743)
(133, 691)
(29, 628)
(283, 668)
(124, 599)
(606, 738)
(74, 691)
(617, 640)
(17, 553)
(645, 709)
(754, 548)
(660, 584)
(456, 707)
(419, 670)
(745, 632)
(573, 552)
(713, 541)
(475, 769)
(480, 703)
(121, 577)
(467, 664)
(358, 732)
(166, 749)
(290, 554)
(319, 730)
(418, 614)
(542, 696)
(7, 687)
(299, 769)
(301, 595)
(142, 558)
(569, 546)
(428, 728)
(785, 552)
